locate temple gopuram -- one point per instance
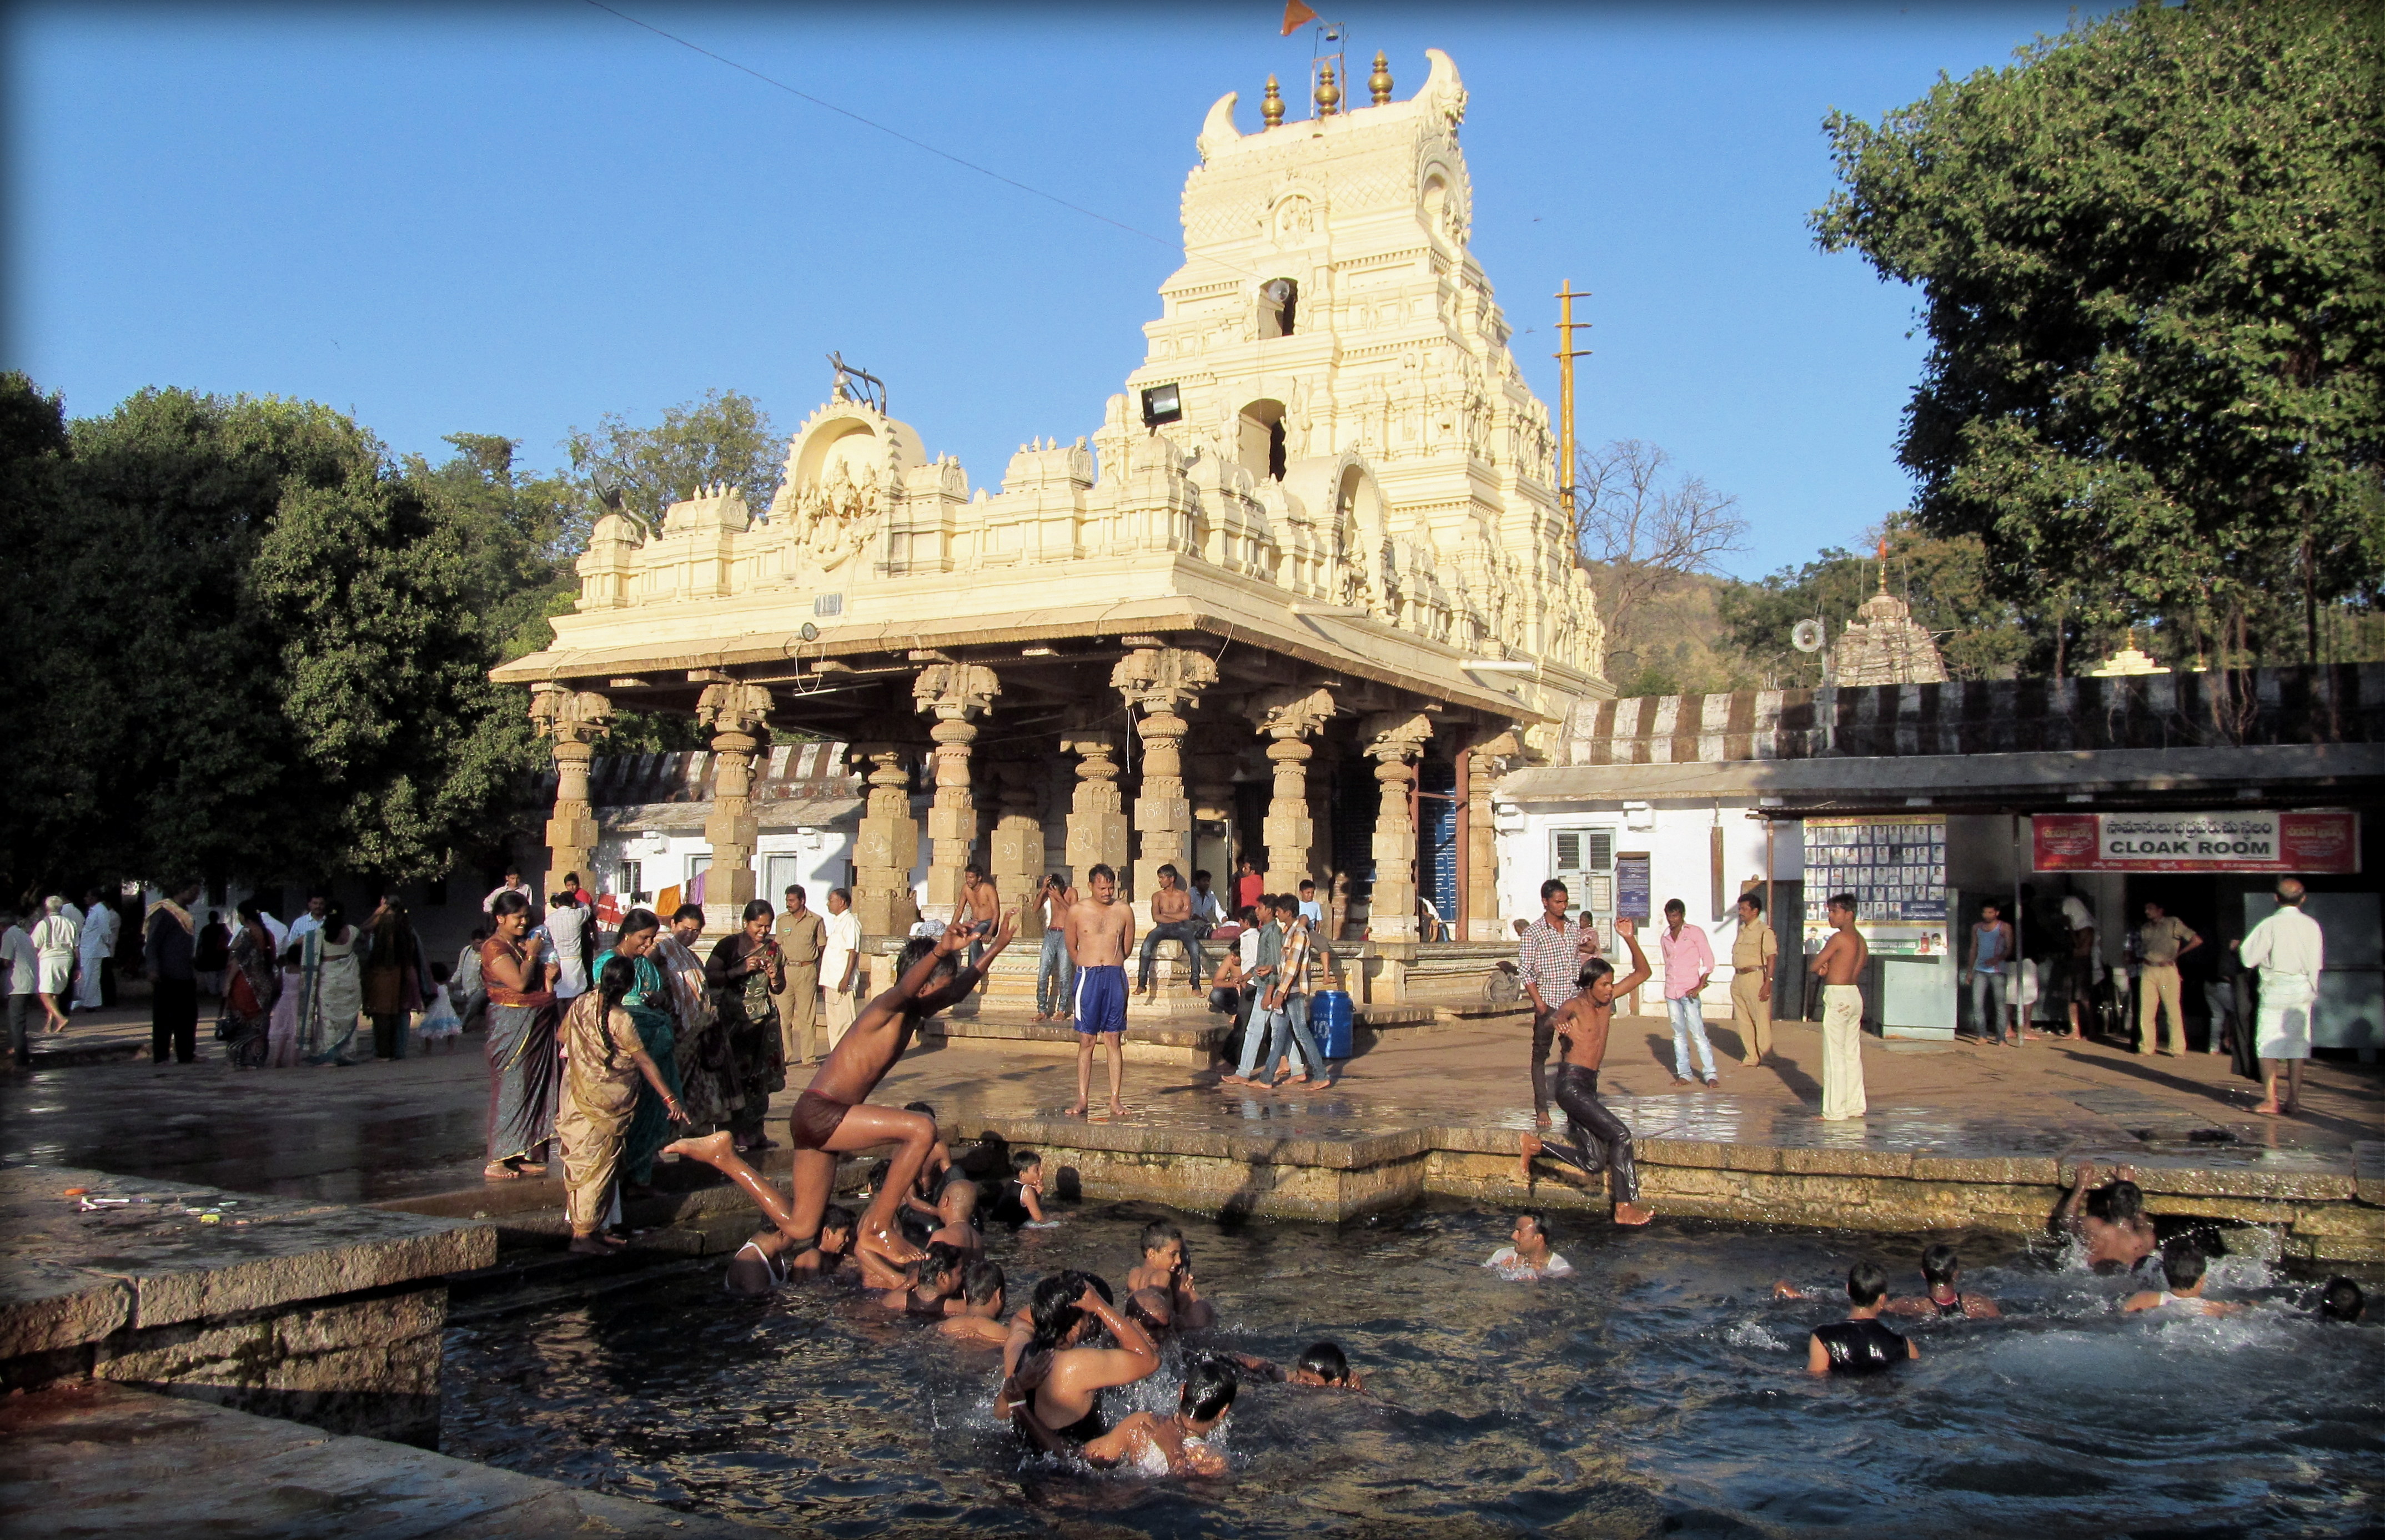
(1301, 597)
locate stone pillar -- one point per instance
(954, 693)
(574, 720)
(1161, 680)
(1395, 741)
(1486, 763)
(1017, 858)
(1289, 715)
(1097, 812)
(739, 715)
(887, 844)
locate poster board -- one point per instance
(1896, 869)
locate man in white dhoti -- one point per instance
(2288, 952)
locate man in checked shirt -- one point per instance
(1547, 960)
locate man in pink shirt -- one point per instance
(1689, 962)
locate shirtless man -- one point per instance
(956, 1208)
(1055, 975)
(1839, 966)
(1600, 1141)
(979, 1318)
(1052, 1387)
(1172, 1445)
(1099, 931)
(2111, 1224)
(981, 905)
(833, 1117)
(1171, 920)
(1164, 1267)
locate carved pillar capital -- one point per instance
(956, 691)
(1396, 736)
(1291, 711)
(572, 720)
(1162, 681)
(733, 707)
(569, 715)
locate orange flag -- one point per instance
(1295, 16)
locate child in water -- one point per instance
(1859, 1344)
(1166, 1267)
(2182, 1271)
(1020, 1200)
(1173, 1446)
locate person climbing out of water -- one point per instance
(1321, 1366)
(1051, 1383)
(1164, 1266)
(2341, 1300)
(1601, 1140)
(1174, 1446)
(834, 1115)
(2109, 1222)
(1020, 1199)
(770, 1260)
(2182, 1265)
(1526, 1258)
(979, 1318)
(1859, 1344)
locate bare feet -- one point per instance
(1632, 1213)
(1232, 1080)
(1532, 1146)
(2270, 1109)
(888, 1247)
(711, 1149)
(588, 1245)
(1541, 1118)
(1078, 1110)
(1118, 1107)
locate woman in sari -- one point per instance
(744, 971)
(523, 1067)
(334, 994)
(604, 1066)
(251, 988)
(708, 1076)
(394, 987)
(649, 1004)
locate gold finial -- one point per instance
(1271, 105)
(1328, 95)
(1379, 83)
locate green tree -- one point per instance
(727, 436)
(1945, 581)
(2148, 258)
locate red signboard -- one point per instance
(2246, 840)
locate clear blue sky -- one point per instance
(515, 221)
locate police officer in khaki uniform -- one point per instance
(1752, 955)
(2161, 941)
(802, 937)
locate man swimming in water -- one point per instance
(1172, 1445)
(1164, 1267)
(1859, 1344)
(2182, 1271)
(1600, 1141)
(1098, 932)
(832, 1116)
(2112, 1227)
(979, 1319)
(1052, 1387)
(1321, 1366)
(1526, 1258)
(770, 1260)
(2341, 1300)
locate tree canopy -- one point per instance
(2147, 253)
(727, 436)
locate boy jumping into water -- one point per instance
(1600, 1141)
(832, 1116)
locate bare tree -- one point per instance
(1643, 531)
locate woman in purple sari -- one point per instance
(524, 1063)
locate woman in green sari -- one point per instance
(649, 1005)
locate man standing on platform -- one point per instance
(1548, 959)
(981, 905)
(1840, 967)
(1689, 962)
(2161, 941)
(801, 940)
(167, 945)
(841, 963)
(1754, 952)
(1100, 931)
(1171, 920)
(1249, 887)
(1991, 954)
(2289, 951)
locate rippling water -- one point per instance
(1658, 1390)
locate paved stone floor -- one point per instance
(382, 1131)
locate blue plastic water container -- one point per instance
(1330, 1021)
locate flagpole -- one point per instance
(1566, 352)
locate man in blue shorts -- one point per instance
(1100, 930)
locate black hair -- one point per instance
(1209, 1387)
(914, 949)
(1865, 1284)
(2181, 1265)
(1841, 900)
(1200, 872)
(756, 908)
(1309, 883)
(1051, 1310)
(1939, 1265)
(1159, 1231)
(1540, 1222)
(1140, 1311)
(943, 1261)
(1554, 886)
(1675, 906)
(687, 912)
(981, 1281)
(2341, 1300)
(561, 898)
(1026, 1160)
(1592, 970)
(972, 870)
(1168, 869)
(1101, 869)
(845, 893)
(440, 973)
(796, 888)
(1753, 900)
(1325, 1360)
(927, 1107)
(1250, 914)
(614, 982)
(247, 909)
(637, 921)
(2116, 1202)
(836, 1216)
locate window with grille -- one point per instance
(1584, 858)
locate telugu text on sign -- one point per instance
(2241, 840)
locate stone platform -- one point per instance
(325, 1313)
(102, 1460)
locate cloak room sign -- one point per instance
(2232, 841)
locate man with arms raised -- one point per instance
(1099, 931)
(1600, 1141)
(833, 1116)
(1839, 966)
